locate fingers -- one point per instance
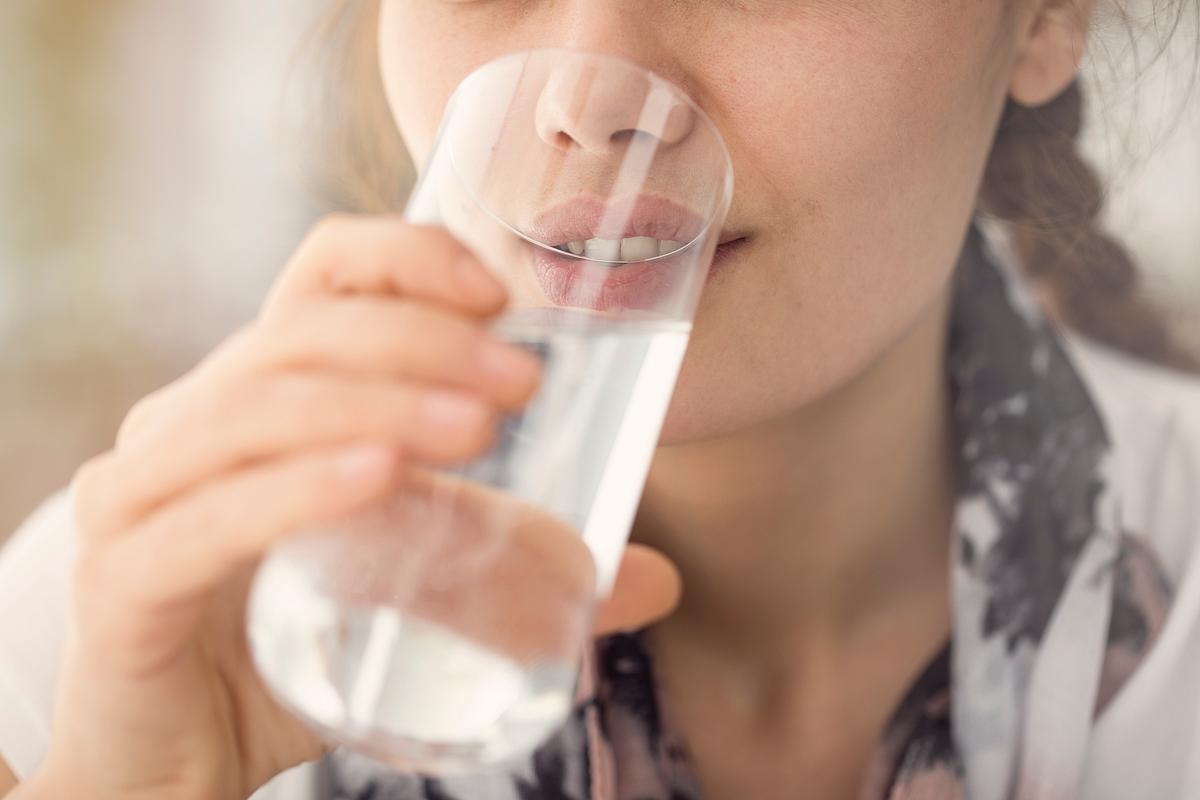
(150, 408)
(388, 337)
(382, 255)
(218, 428)
(373, 295)
(194, 544)
(648, 587)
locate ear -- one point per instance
(1051, 38)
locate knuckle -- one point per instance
(138, 418)
(331, 224)
(437, 236)
(326, 230)
(426, 246)
(244, 338)
(237, 354)
(317, 247)
(154, 406)
(93, 497)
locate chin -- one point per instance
(696, 416)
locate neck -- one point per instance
(801, 530)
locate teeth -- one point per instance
(638, 248)
(633, 248)
(603, 249)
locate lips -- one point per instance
(643, 215)
(571, 280)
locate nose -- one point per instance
(597, 104)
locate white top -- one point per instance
(1145, 744)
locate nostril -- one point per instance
(565, 141)
(623, 136)
(597, 110)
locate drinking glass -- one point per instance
(441, 629)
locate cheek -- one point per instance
(866, 162)
(413, 106)
(885, 163)
(423, 54)
(874, 118)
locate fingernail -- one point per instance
(363, 461)
(447, 409)
(507, 362)
(474, 279)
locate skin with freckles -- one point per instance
(804, 482)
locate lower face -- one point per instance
(858, 130)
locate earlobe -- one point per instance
(1050, 50)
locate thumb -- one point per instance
(647, 588)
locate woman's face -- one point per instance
(858, 130)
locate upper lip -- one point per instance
(583, 217)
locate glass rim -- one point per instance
(727, 179)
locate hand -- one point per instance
(369, 353)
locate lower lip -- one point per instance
(642, 285)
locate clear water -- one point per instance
(441, 630)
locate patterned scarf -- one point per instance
(1054, 606)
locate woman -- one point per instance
(870, 397)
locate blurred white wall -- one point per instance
(209, 166)
(152, 182)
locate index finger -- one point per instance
(346, 254)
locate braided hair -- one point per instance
(1037, 180)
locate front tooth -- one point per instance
(668, 246)
(576, 247)
(638, 248)
(603, 249)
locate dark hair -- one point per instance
(1036, 181)
(1039, 183)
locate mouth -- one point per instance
(623, 231)
(626, 254)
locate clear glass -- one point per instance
(441, 630)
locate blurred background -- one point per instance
(152, 181)
(156, 169)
